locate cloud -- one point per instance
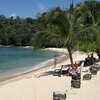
(13, 15)
(42, 7)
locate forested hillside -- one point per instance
(22, 32)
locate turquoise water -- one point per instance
(20, 59)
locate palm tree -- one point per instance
(64, 29)
(89, 38)
(59, 31)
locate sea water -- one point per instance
(15, 60)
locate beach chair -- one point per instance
(75, 83)
(65, 69)
(93, 72)
(88, 62)
(58, 95)
(57, 72)
(87, 76)
(76, 80)
(62, 71)
(94, 68)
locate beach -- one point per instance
(40, 84)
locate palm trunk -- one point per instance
(70, 55)
(92, 61)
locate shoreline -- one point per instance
(41, 84)
(48, 65)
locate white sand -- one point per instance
(40, 86)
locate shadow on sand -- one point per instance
(44, 74)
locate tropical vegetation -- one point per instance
(75, 28)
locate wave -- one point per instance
(47, 63)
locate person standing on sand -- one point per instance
(55, 61)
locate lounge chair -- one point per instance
(87, 76)
(58, 95)
(62, 71)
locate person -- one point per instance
(71, 70)
(55, 62)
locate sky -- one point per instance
(31, 8)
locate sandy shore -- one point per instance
(40, 84)
(61, 57)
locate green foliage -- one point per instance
(86, 47)
(16, 31)
(57, 27)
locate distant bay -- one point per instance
(16, 60)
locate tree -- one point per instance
(67, 29)
(60, 30)
(89, 38)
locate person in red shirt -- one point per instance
(72, 69)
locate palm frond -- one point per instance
(60, 20)
(89, 34)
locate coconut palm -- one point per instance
(59, 31)
(65, 29)
(90, 37)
